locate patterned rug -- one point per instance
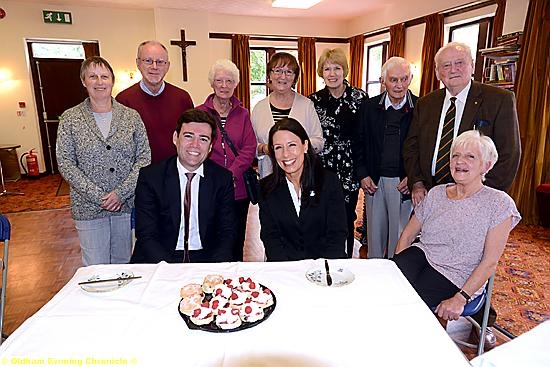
(521, 294)
(40, 194)
(522, 284)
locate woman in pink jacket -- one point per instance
(235, 120)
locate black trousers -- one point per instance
(430, 284)
(351, 216)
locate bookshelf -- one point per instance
(501, 61)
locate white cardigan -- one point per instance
(302, 110)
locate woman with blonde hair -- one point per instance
(338, 108)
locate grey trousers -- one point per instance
(387, 216)
(105, 240)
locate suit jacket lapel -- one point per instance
(206, 190)
(282, 195)
(473, 102)
(431, 129)
(172, 182)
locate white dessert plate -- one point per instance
(120, 280)
(340, 275)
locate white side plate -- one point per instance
(108, 286)
(340, 276)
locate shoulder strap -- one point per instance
(226, 137)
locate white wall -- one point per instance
(198, 26)
(119, 31)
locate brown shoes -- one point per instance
(490, 338)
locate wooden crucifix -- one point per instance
(183, 44)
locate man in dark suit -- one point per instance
(162, 194)
(478, 106)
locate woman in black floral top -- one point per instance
(338, 107)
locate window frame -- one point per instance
(366, 60)
(483, 41)
(270, 51)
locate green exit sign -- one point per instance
(63, 17)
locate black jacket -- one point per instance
(369, 141)
(159, 206)
(320, 231)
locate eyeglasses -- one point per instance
(279, 72)
(149, 62)
(220, 82)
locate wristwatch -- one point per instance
(465, 295)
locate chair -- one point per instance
(473, 307)
(5, 237)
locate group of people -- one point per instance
(434, 170)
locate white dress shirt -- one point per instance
(194, 235)
(148, 91)
(459, 103)
(294, 196)
(388, 102)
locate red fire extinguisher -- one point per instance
(32, 164)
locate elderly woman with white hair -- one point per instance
(464, 227)
(235, 120)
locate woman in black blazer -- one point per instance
(302, 210)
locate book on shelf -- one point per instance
(496, 73)
(511, 38)
(508, 72)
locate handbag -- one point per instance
(250, 176)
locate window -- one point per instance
(259, 57)
(474, 33)
(58, 50)
(375, 57)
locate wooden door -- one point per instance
(57, 87)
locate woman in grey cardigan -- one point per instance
(101, 146)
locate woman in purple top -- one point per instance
(464, 227)
(235, 119)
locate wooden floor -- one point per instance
(44, 254)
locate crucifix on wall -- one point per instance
(183, 44)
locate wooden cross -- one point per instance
(183, 44)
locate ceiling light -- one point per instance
(294, 4)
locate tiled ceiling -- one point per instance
(333, 9)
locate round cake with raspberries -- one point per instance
(225, 304)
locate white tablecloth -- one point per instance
(378, 320)
(531, 349)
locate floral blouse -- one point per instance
(338, 118)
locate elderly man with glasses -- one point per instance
(159, 103)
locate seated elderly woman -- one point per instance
(464, 227)
(302, 211)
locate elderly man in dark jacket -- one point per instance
(383, 125)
